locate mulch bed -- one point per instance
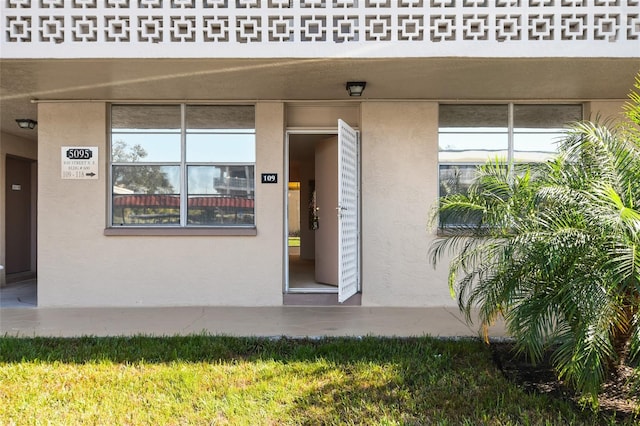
(616, 399)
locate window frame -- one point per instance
(182, 227)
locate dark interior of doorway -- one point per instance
(301, 219)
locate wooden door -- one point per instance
(18, 215)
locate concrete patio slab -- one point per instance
(21, 294)
(291, 321)
(20, 316)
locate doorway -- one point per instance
(322, 255)
(20, 219)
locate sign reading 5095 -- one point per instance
(79, 154)
(79, 162)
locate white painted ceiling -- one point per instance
(448, 79)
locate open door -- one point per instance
(326, 264)
(348, 212)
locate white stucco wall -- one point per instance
(399, 187)
(18, 147)
(79, 266)
(604, 110)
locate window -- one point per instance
(469, 135)
(182, 165)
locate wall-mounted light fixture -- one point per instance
(355, 88)
(26, 123)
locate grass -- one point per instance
(249, 381)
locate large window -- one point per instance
(182, 165)
(470, 135)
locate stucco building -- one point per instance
(171, 136)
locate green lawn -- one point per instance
(205, 380)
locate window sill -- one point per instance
(166, 232)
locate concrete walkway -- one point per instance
(22, 294)
(291, 321)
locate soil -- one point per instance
(616, 399)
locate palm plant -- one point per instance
(555, 250)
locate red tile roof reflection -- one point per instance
(160, 200)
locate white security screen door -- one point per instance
(348, 215)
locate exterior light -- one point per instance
(26, 123)
(355, 88)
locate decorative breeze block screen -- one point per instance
(303, 22)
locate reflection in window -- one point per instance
(145, 133)
(456, 179)
(221, 147)
(220, 195)
(159, 180)
(472, 133)
(537, 129)
(221, 134)
(146, 195)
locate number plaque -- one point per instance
(269, 178)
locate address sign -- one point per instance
(79, 162)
